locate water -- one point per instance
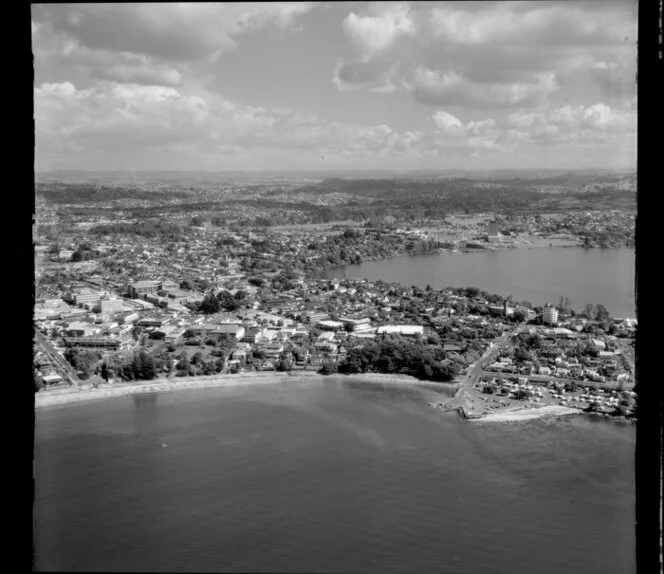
(540, 276)
(328, 476)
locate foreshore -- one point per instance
(53, 397)
(527, 413)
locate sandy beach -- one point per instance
(523, 414)
(48, 398)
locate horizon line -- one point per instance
(340, 170)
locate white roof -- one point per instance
(328, 336)
(402, 329)
(336, 324)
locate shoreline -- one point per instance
(56, 397)
(527, 413)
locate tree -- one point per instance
(104, 371)
(187, 285)
(283, 365)
(601, 313)
(227, 301)
(328, 368)
(520, 315)
(522, 354)
(144, 366)
(210, 304)
(433, 339)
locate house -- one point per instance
(598, 344)
(236, 331)
(51, 379)
(325, 337)
(273, 349)
(544, 371)
(170, 333)
(252, 334)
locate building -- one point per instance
(252, 334)
(550, 315)
(139, 289)
(86, 297)
(325, 337)
(330, 325)
(110, 306)
(357, 324)
(493, 228)
(403, 330)
(108, 343)
(231, 329)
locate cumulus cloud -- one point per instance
(379, 30)
(502, 44)
(174, 31)
(544, 23)
(435, 88)
(147, 43)
(126, 120)
(128, 117)
(594, 124)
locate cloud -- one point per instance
(595, 124)
(435, 88)
(494, 53)
(379, 30)
(125, 119)
(177, 32)
(118, 123)
(373, 74)
(545, 23)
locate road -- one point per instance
(57, 360)
(465, 395)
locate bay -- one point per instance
(541, 275)
(326, 476)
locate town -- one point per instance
(129, 300)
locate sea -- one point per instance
(540, 275)
(328, 475)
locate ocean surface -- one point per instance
(327, 476)
(542, 275)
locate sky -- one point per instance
(321, 86)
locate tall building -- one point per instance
(493, 227)
(550, 315)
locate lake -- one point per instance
(327, 476)
(541, 275)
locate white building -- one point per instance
(550, 315)
(109, 306)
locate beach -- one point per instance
(53, 397)
(527, 413)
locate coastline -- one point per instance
(527, 413)
(56, 397)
